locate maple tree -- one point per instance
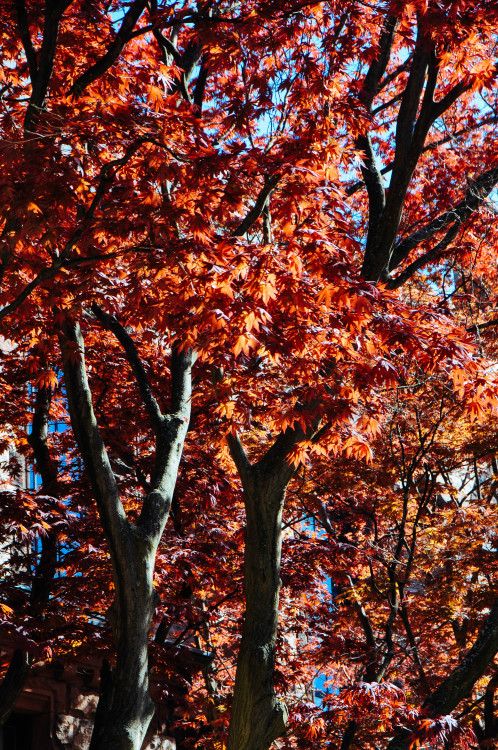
(288, 208)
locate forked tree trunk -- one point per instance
(258, 718)
(125, 707)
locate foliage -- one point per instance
(302, 195)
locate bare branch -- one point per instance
(259, 206)
(440, 107)
(395, 73)
(432, 254)
(112, 324)
(476, 193)
(481, 326)
(114, 50)
(23, 26)
(387, 104)
(491, 120)
(88, 435)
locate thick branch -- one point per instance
(411, 133)
(182, 361)
(460, 682)
(430, 255)
(170, 429)
(169, 446)
(259, 206)
(382, 234)
(476, 193)
(275, 463)
(44, 275)
(13, 683)
(378, 67)
(426, 116)
(366, 626)
(491, 120)
(239, 457)
(114, 50)
(370, 170)
(387, 104)
(112, 324)
(440, 107)
(458, 685)
(407, 116)
(413, 643)
(189, 60)
(200, 85)
(347, 737)
(87, 433)
(29, 50)
(395, 73)
(375, 187)
(38, 439)
(481, 326)
(185, 61)
(489, 708)
(46, 57)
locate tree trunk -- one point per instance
(125, 706)
(258, 717)
(13, 683)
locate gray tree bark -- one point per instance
(258, 717)
(459, 683)
(125, 698)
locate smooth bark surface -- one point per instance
(258, 716)
(125, 689)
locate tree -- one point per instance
(404, 528)
(197, 189)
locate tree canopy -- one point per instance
(248, 266)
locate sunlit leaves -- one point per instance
(131, 195)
